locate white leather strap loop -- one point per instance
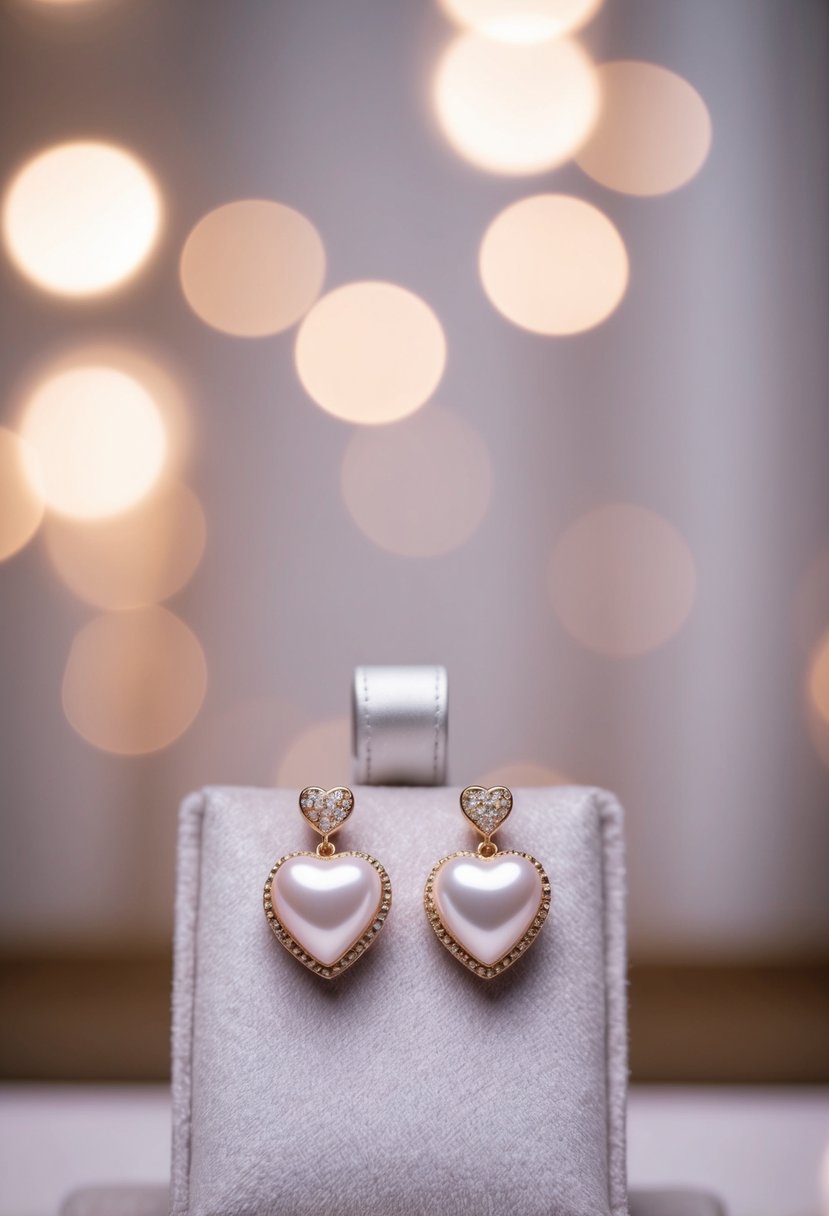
(399, 725)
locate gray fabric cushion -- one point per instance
(408, 1085)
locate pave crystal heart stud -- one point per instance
(487, 908)
(327, 908)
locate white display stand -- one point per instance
(408, 1086)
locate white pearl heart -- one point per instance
(328, 904)
(488, 904)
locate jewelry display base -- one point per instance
(155, 1201)
(408, 1085)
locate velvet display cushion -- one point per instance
(407, 1085)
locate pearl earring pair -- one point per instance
(327, 908)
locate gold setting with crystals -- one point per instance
(326, 810)
(486, 809)
(487, 972)
(358, 948)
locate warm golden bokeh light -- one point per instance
(819, 678)
(654, 131)
(167, 380)
(134, 681)
(515, 109)
(522, 21)
(553, 264)
(817, 697)
(21, 507)
(320, 755)
(419, 488)
(139, 557)
(80, 218)
(98, 440)
(622, 580)
(524, 775)
(252, 267)
(370, 352)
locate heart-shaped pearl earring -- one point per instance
(326, 907)
(487, 907)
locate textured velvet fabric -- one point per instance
(408, 1085)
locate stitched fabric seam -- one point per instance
(198, 814)
(607, 820)
(437, 728)
(367, 720)
(197, 897)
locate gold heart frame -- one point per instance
(357, 949)
(486, 972)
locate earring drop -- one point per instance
(326, 907)
(487, 907)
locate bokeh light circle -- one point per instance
(522, 21)
(553, 264)
(654, 131)
(80, 218)
(818, 679)
(165, 379)
(622, 580)
(370, 352)
(98, 440)
(515, 109)
(419, 488)
(320, 754)
(21, 506)
(817, 696)
(139, 557)
(134, 681)
(252, 267)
